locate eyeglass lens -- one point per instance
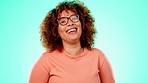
(64, 20)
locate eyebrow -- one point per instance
(66, 17)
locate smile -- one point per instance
(71, 30)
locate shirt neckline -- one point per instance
(75, 56)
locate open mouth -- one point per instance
(71, 30)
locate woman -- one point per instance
(67, 34)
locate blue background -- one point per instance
(122, 27)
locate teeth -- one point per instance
(71, 30)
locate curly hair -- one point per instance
(49, 27)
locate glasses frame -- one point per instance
(67, 18)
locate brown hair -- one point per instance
(49, 32)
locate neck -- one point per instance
(73, 49)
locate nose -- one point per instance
(69, 22)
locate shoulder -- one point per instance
(49, 54)
(46, 56)
(96, 50)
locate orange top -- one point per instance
(91, 66)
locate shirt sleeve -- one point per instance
(106, 74)
(40, 72)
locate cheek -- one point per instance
(80, 26)
(60, 29)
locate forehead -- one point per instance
(66, 13)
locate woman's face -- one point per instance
(69, 26)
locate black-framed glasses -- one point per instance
(64, 20)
